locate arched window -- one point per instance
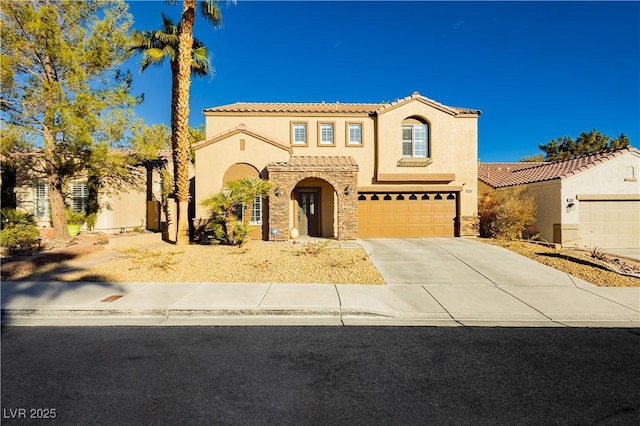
(415, 138)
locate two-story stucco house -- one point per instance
(342, 170)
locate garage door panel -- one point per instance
(406, 215)
(609, 224)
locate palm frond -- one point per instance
(210, 11)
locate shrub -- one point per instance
(75, 218)
(514, 213)
(91, 220)
(12, 217)
(487, 212)
(19, 237)
(218, 233)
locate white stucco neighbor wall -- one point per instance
(616, 176)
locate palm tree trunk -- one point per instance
(180, 133)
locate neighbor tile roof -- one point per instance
(523, 173)
(323, 107)
(318, 161)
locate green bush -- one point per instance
(75, 218)
(218, 233)
(19, 237)
(12, 217)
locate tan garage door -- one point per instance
(406, 214)
(609, 223)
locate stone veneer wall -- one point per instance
(285, 178)
(469, 226)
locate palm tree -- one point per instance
(155, 47)
(210, 11)
(248, 188)
(224, 204)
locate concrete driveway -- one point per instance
(458, 262)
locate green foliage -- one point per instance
(75, 218)
(62, 90)
(91, 220)
(219, 235)
(12, 217)
(538, 158)
(247, 189)
(148, 140)
(514, 213)
(19, 231)
(566, 148)
(19, 237)
(240, 192)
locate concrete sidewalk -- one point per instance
(430, 282)
(163, 304)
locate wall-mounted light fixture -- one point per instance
(347, 190)
(276, 191)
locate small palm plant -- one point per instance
(240, 192)
(248, 188)
(223, 204)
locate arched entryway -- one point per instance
(318, 194)
(314, 208)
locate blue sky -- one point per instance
(537, 70)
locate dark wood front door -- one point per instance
(308, 208)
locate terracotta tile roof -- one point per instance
(539, 172)
(318, 161)
(494, 173)
(337, 107)
(424, 99)
(296, 107)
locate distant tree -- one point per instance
(590, 143)
(62, 92)
(537, 158)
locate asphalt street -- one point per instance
(320, 375)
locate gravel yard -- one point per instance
(319, 261)
(572, 261)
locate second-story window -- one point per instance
(299, 133)
(354, 134)
(414, 140)
(326, 134)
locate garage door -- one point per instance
(609, 223)
(406, 214)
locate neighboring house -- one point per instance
(589, 202)
(402, 169)
(121, 209)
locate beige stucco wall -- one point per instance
(119, 209)
(213, 160)
(453, 146)
(547, 196)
